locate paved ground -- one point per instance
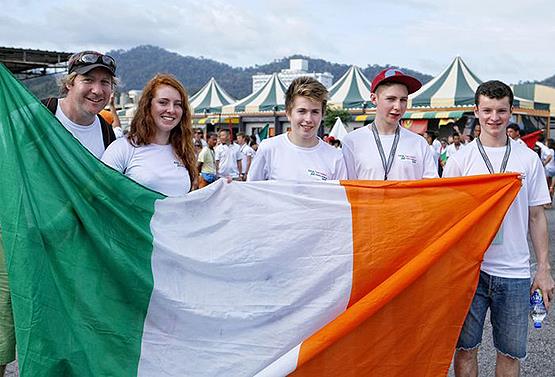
(541, 346)
(541, 343)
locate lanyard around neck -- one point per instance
(488, 162)
(389, 162)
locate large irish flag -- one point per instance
(108, 278)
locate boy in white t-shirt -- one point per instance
(384, 150)
(300, 155)
(504, 284)
(247, 153)
(228, 158)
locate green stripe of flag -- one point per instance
(80, 286)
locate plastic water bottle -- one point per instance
(537, 308)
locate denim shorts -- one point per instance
(208, 177)
(508, 300)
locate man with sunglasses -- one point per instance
(86, 90)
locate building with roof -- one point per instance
(539, 93)
(28, 63)
(297, 68)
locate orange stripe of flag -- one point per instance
(417, 247)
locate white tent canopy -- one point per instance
(338, 131)
(210, 98)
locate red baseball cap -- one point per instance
(396, 75)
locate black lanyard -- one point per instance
(389, 162)
(488, 162)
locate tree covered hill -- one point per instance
(137, 65)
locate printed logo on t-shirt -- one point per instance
(408, 158)
(314, 173)
(178, 164)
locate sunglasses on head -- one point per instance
(93, 58)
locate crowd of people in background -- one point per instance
(163, 152)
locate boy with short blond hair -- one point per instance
(300, 155)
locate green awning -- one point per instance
(417, 115)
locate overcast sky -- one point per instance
(508, 40)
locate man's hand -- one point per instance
(538, 234)
(544, 281)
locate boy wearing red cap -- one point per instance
(384, 150)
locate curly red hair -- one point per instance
(143, 129)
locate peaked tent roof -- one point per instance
(454, 87)
(338, 131)
(351, 91)
(210, 98)
(270, 97)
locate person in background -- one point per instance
(111, 116)
(467, 138)
(158, 150)
(513, 130)
(228, 158)
(549, 164)
(247, 154)
(197, 145)
(198, 137)
(455, 146)
(431, 137)
(253, 143)
(477, 130)
(206, 162)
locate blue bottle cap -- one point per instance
(538, 325)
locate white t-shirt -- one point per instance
(550, 167)
(278, 158)
(207, 157)
(118, 132)
(90, 135)
(154, 166)
(246, 151)
(508, 256)
(452, 149)
(413, 158)
(228, 155)
(435, 155)
(544, 149)
(436, 144)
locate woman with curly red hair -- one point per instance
(158, 151)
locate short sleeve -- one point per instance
(118, 154)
